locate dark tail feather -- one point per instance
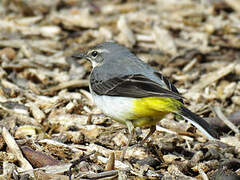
(198, 122)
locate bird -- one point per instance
(133, 93)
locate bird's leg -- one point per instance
(152, 130)
(131, 134)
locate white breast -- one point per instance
(118, 108)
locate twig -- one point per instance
(159, 128)
(215, 121)
(100, 175)
(221, 116)
(111, 162)
(213, 77)
(190, 65)
(68, 84)
(203, 174)
(83, 158)
(12, 145)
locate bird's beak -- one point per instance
(79, 56)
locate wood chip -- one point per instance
(164, 41)
(213, 77)
(110, 163)
(13, 147)
(69, 84)
(221, 116)
(126, 36)
(38, 159)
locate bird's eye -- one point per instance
(94, 53)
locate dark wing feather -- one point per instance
(137, 86)
(167, 82)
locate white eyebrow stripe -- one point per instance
(102, 50)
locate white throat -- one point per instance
(94, 64)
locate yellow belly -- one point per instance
(148, 111)
(143, 112)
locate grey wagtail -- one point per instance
(133, 93)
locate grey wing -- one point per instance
(136, 86)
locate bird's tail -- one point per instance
(198, 122)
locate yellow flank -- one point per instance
(148, 111)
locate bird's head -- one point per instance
(107, 51)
